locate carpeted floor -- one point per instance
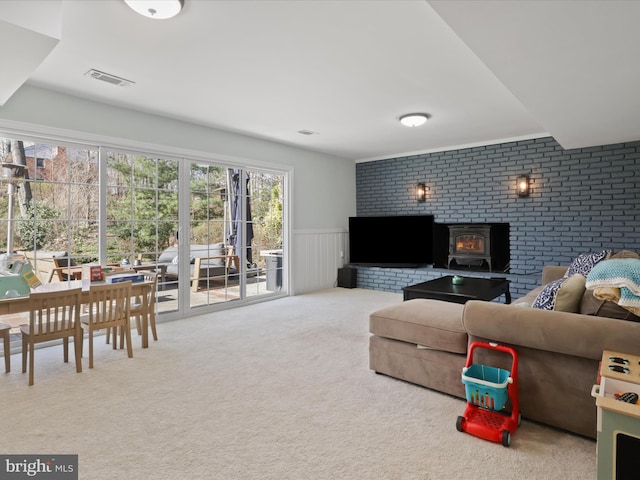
(278, 390)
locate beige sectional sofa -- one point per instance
(425, 342)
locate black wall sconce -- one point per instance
(522, 185)
(421, 192)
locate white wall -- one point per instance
(317, 256)
(323, 186)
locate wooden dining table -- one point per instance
(13, 305)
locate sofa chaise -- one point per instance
(425, 342)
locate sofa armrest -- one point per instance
(568, 333)
(552, 272)
(197, 264)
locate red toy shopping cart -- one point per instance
(488, 390)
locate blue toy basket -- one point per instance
(486, 386)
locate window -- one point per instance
(93, 204)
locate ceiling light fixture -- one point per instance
(156, 9)
(414, 119)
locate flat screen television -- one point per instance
(391, 241)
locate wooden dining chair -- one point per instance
(109, 309)
(5, 334)
(141, 307)
(52, 316)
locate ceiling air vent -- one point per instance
(107, 77)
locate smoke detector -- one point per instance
(107, 77)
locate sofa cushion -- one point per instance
(168, 254)
(563, 294)
(428, 323)
(590, 305)
(205, 271)
(529, 298)
(583, 264)
(213, 250)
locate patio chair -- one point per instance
(62, 268)
(52, 316)
(109, 310)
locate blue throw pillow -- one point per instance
(583, 264)
(546, 299)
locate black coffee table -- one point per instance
(472, 289)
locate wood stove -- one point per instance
(470, 245)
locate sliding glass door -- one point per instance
(235, 234)
(214, 232)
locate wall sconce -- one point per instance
(421, 192)
(522, 185)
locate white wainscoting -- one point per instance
(317, 255)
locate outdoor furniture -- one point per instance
(42, 262)
(4, 333)
(109, 308)
(202, 271)
(159, 268)
(65, 268)
(52, 316)
(205, 262)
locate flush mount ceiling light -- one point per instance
(156, 9)
(414, 119)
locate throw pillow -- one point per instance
(583, 264)
(570, 294)
(175, 261)
(563, 294)
(168, 255)
(625, 254)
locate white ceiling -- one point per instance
(484, 70)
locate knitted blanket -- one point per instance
(617, 280)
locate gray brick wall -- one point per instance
(582, 200)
